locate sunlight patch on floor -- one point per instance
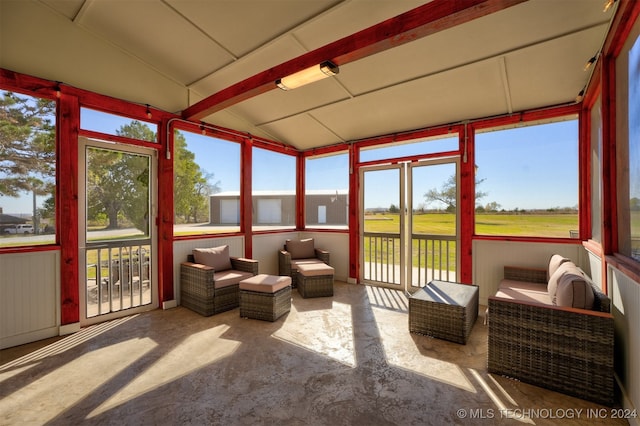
(390, 309)
(502, 409)
(191, 354)
(66, 343)
(327, 335)
(88, 372)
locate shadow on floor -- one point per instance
(345, 360)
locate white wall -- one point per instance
(625, 295)
(489, 258)
(182, 248)
(338, 245)
(265, 250)
(266, 246)
(29, 297)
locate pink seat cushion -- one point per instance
(315, 269)
(296, 262)
(229, 277)
(527, 292)
(264, 283)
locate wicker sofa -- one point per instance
(535, 339)
(297, 252)
(209, 280)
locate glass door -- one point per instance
(382, 239)
(433, 222)
(117, 235)
(409, 224)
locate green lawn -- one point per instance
(536, 225)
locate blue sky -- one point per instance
(508, 161)
(634, 119)
(529, 167)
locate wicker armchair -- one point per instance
(207, 291)
(295, 252)
(565, 349)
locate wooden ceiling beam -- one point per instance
(422, 21)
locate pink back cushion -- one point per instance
(216, 257)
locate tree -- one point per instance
(107, 174)
(136, 188)
(27, 146)
(118, 182)
(447, 194)
(192, 185)
(118, 186)
(492, 206)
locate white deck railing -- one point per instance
(433, 257)
(118, 276)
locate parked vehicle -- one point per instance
(19, 229)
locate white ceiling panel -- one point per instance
(243, 26)
(156, 34)
(492, 36)
(175, 53)
(350, 17)
(229, 120)
(429, 101)
(78, 58)
(67, 8)
(304, 129)
(546, 75)
(276, 53)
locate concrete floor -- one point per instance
(346, 360)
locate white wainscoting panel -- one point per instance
(595, 268)
(184, 247)
(625, 295)
(490, 257)
(266, 246)
(338, 245)
(29, 297)
(265, 249)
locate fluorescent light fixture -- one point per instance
(608, 4)
(589, 63)
(309, 75)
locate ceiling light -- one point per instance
(149, 115)
(589, 63)
(580, 96)
(608, 4)
(309, 75)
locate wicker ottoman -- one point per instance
(444, 310)
(265, 297)
(315, 280)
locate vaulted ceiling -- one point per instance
(491, 57)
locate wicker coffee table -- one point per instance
(444, 310)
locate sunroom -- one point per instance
(439, 140)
